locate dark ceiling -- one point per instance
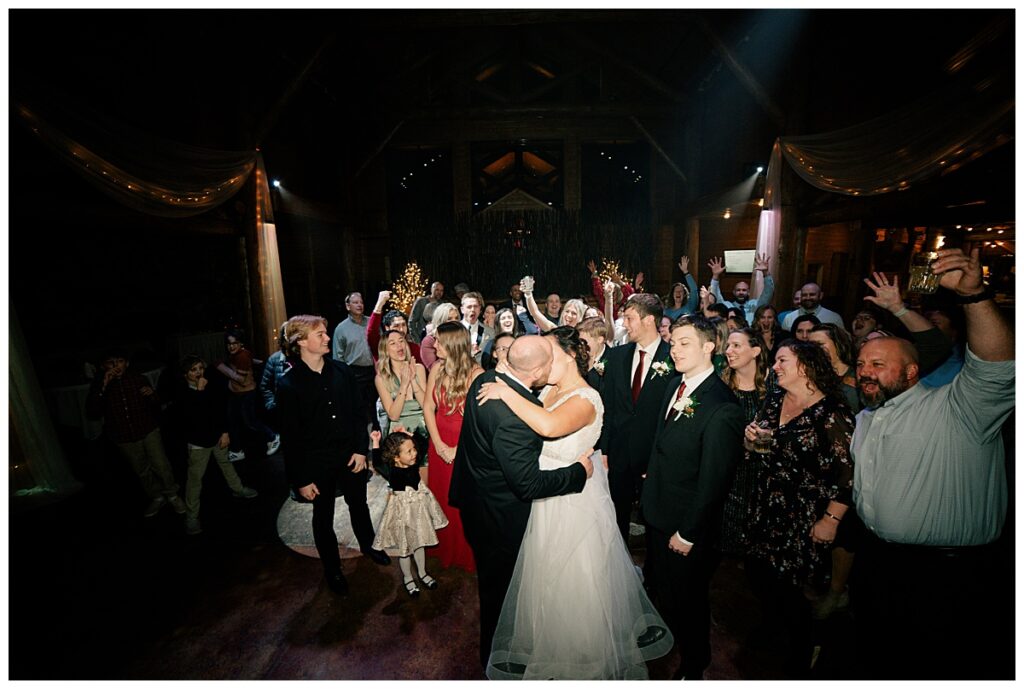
(328, 86)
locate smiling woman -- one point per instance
(805, 489)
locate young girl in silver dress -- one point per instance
(412, 515)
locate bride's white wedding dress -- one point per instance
(576, 608)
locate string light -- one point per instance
(409, 287)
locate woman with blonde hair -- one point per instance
(443, 409)
(442, 314)
(401, 384)
(573, 311)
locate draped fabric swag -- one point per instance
(156, 177)
(30, 421)
(933, 136)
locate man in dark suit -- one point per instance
(698, 445)
(497, 475)
(323, 433)
(635, 378)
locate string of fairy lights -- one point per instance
(409, 175)
(628, 169)
(126, 182)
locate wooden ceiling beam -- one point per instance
(614, 60)
(536, 111)
(421, 133)
(745, 76)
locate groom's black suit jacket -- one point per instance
(497, 473)
(629, 428)
(693, 463)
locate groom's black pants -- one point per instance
(682, 584)
(495, 562)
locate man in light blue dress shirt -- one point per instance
(741, 292)
(930, 485)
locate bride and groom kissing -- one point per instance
(559, 594)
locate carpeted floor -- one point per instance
(99, 592)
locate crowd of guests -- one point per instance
(870, 471)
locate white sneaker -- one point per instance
(236, 456)
(274, 445)
(192, 526)
(155, 506)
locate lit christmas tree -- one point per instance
(408, 288)
(610, 270)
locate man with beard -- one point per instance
(810, 303)
(741, 292)
(930, 485)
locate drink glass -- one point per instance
(763, 441)
(526, 284)
(922, 280)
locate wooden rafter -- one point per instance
(745, 76)
(614, 60)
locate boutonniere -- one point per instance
(663, 368)
(685, 406)
(599, 367)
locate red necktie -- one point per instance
(679, 396)
(638, 377)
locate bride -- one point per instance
(576, 608)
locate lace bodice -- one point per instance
(565, 450)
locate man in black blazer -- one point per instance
(635, 378)
(323, 434)
(698, 445)
(497, 474)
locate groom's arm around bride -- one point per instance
(497, 474)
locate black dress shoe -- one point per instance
(336, 582)
(652, 635)
(378, 556)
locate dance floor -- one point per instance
(98, 592)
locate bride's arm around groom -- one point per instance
(497, 474)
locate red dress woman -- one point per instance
(448, 384)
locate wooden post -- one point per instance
(462, 178)
(572, 172)
(860, 243)
(790, 261)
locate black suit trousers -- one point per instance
(353, 487)
(624, 488)
(934, 613)
(682, 584)
(495, 563)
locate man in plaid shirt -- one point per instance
(130, 408)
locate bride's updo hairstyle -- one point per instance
(570, 342)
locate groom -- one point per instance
(497, 474)
(698, 444)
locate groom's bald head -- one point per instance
(529, 357)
